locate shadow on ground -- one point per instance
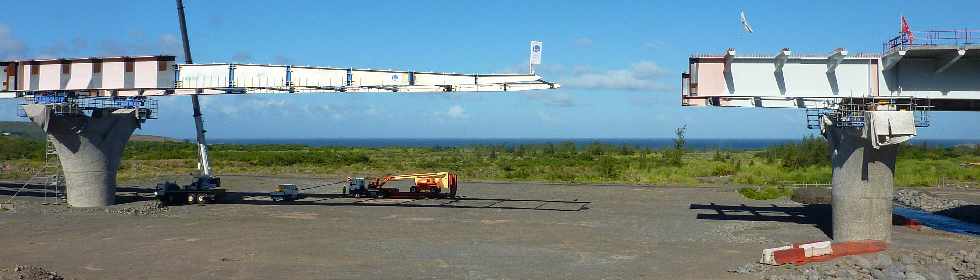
(136, 194)
(259, 198)
(818, 215)
(123, 194)
(968, 213)
(9, 190)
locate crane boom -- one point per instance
(204, 165)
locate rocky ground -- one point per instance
(496, 231)
(28, 272)
(917, 199)
(929, 264)
(929, 201)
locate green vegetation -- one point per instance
(765, 193)
(801, 162)
(21, 129)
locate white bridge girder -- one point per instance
(161, 76)
(947, 76)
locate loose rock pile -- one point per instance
(899, 264)
(150, 208)
(28, 272)
(926, 202)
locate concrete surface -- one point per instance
(863, 184)
(497, 231)
(89, 148)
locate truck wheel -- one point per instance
(191, 198)
(202, 199)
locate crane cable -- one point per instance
(324, 185)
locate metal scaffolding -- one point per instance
(849, 112)
(65, 103)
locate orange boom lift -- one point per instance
(438, 184)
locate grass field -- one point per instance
(803, 162)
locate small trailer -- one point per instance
(285, 192)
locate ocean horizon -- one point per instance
(695, 143)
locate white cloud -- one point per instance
(137, 43)
(546, 117)
(132, 43)
(242, 57)
(454, 112)
(558, 99)
(10, 47)
(169, 44)
(281, 60)
(248, 106)
(8, 110)
(641, 76)
(654, 45)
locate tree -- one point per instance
(675, 156)
(680, 141)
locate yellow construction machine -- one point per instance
(438, 184)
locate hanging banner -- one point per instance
(535, 52)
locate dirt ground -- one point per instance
(495, 231)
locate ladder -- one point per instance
(50, 177)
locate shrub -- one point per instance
(765, 193)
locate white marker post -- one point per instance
(535, 55)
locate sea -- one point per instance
(703, 143)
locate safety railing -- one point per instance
(957, 38)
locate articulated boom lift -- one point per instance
(438, 184)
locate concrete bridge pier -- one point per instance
(863, 184)
(89, 148)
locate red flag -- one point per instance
(907, 30)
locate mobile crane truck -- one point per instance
(205, 188)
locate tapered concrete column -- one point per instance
(89, 148)
(863, 184)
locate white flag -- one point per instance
(535, 52)
(745, 22)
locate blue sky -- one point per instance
(619, 61)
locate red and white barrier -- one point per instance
(819, 251)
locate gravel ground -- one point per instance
(931, 264)
(925, 201)
(497, 231)
(28, 272)
(963, 210)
